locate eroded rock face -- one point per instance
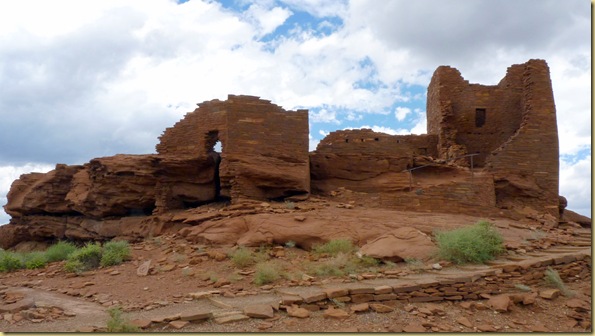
(39, 193)
(400, 244)
(120, 185)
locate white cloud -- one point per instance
(323, 133)
(324, 116)
(573, 186)
(402, 112)
(312, 143)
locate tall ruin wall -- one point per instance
(473, 118)
(511, 125)
(264, 150)
(532, 153)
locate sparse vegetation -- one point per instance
(290, 244)
(334, 247)
(522, 287)
(552, 278)
(35, 259)
(84, 259)
(473, 244)
(242, 257)
(59, 251)
(115, 253)
(289, 205)
(10, 261)
(266, 272)
(117, 323)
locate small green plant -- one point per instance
(59, 251)
(552, 278)
(242, 257)
(473, 244)
(367, 261)
(10, 261)
(290, 244)
(522, 287)
(289, 205)
(35, 259)
(186, 272)
(84, 259)
(335, 247)
(115, 253)
(266, 272)
(117, 323)
(338, 265)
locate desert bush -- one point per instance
(552, 278)
(266, 272)
(115, 253)
(35, 259)
(10, 261)
(85, 258)
(117, 323)
(338, 265)
(473, 244)
(59, 251)
(242, 257)
(335, 247)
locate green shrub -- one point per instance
(35, 259)
(10, 261)
(242, 257)
(339, 265)
(335, 247)
(266, 272)
(59, 251)
(114, 253)
(117, 323)
(85, 258)
(473, 244)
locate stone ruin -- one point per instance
(489, 150)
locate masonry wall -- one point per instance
(533, 152)
(366, 141)
(512, 125)
(455, 108)
(264, 148)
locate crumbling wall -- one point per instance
(264, 148)
(473, 118)
(526, 166)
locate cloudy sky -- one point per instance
(84, 79)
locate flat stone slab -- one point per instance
(231, 318)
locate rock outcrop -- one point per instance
(490, 150)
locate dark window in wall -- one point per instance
(346, 140)
(376, 139)
(480, 117)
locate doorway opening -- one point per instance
(214, 148)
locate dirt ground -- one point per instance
(69, 302)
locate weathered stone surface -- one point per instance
(360, 307)
(380, 308)
(465, 322)
(414, 328)
(336, 313)
(295, 311)
(17, 306)
(550, 293)
(140, 323)
(499, 303)
(259, 311)
(195, 315)
(178, 324)
(401, 243)
(230, 318)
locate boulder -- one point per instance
(399, 244)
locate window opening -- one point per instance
(480, 117)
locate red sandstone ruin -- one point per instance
(489, 150)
